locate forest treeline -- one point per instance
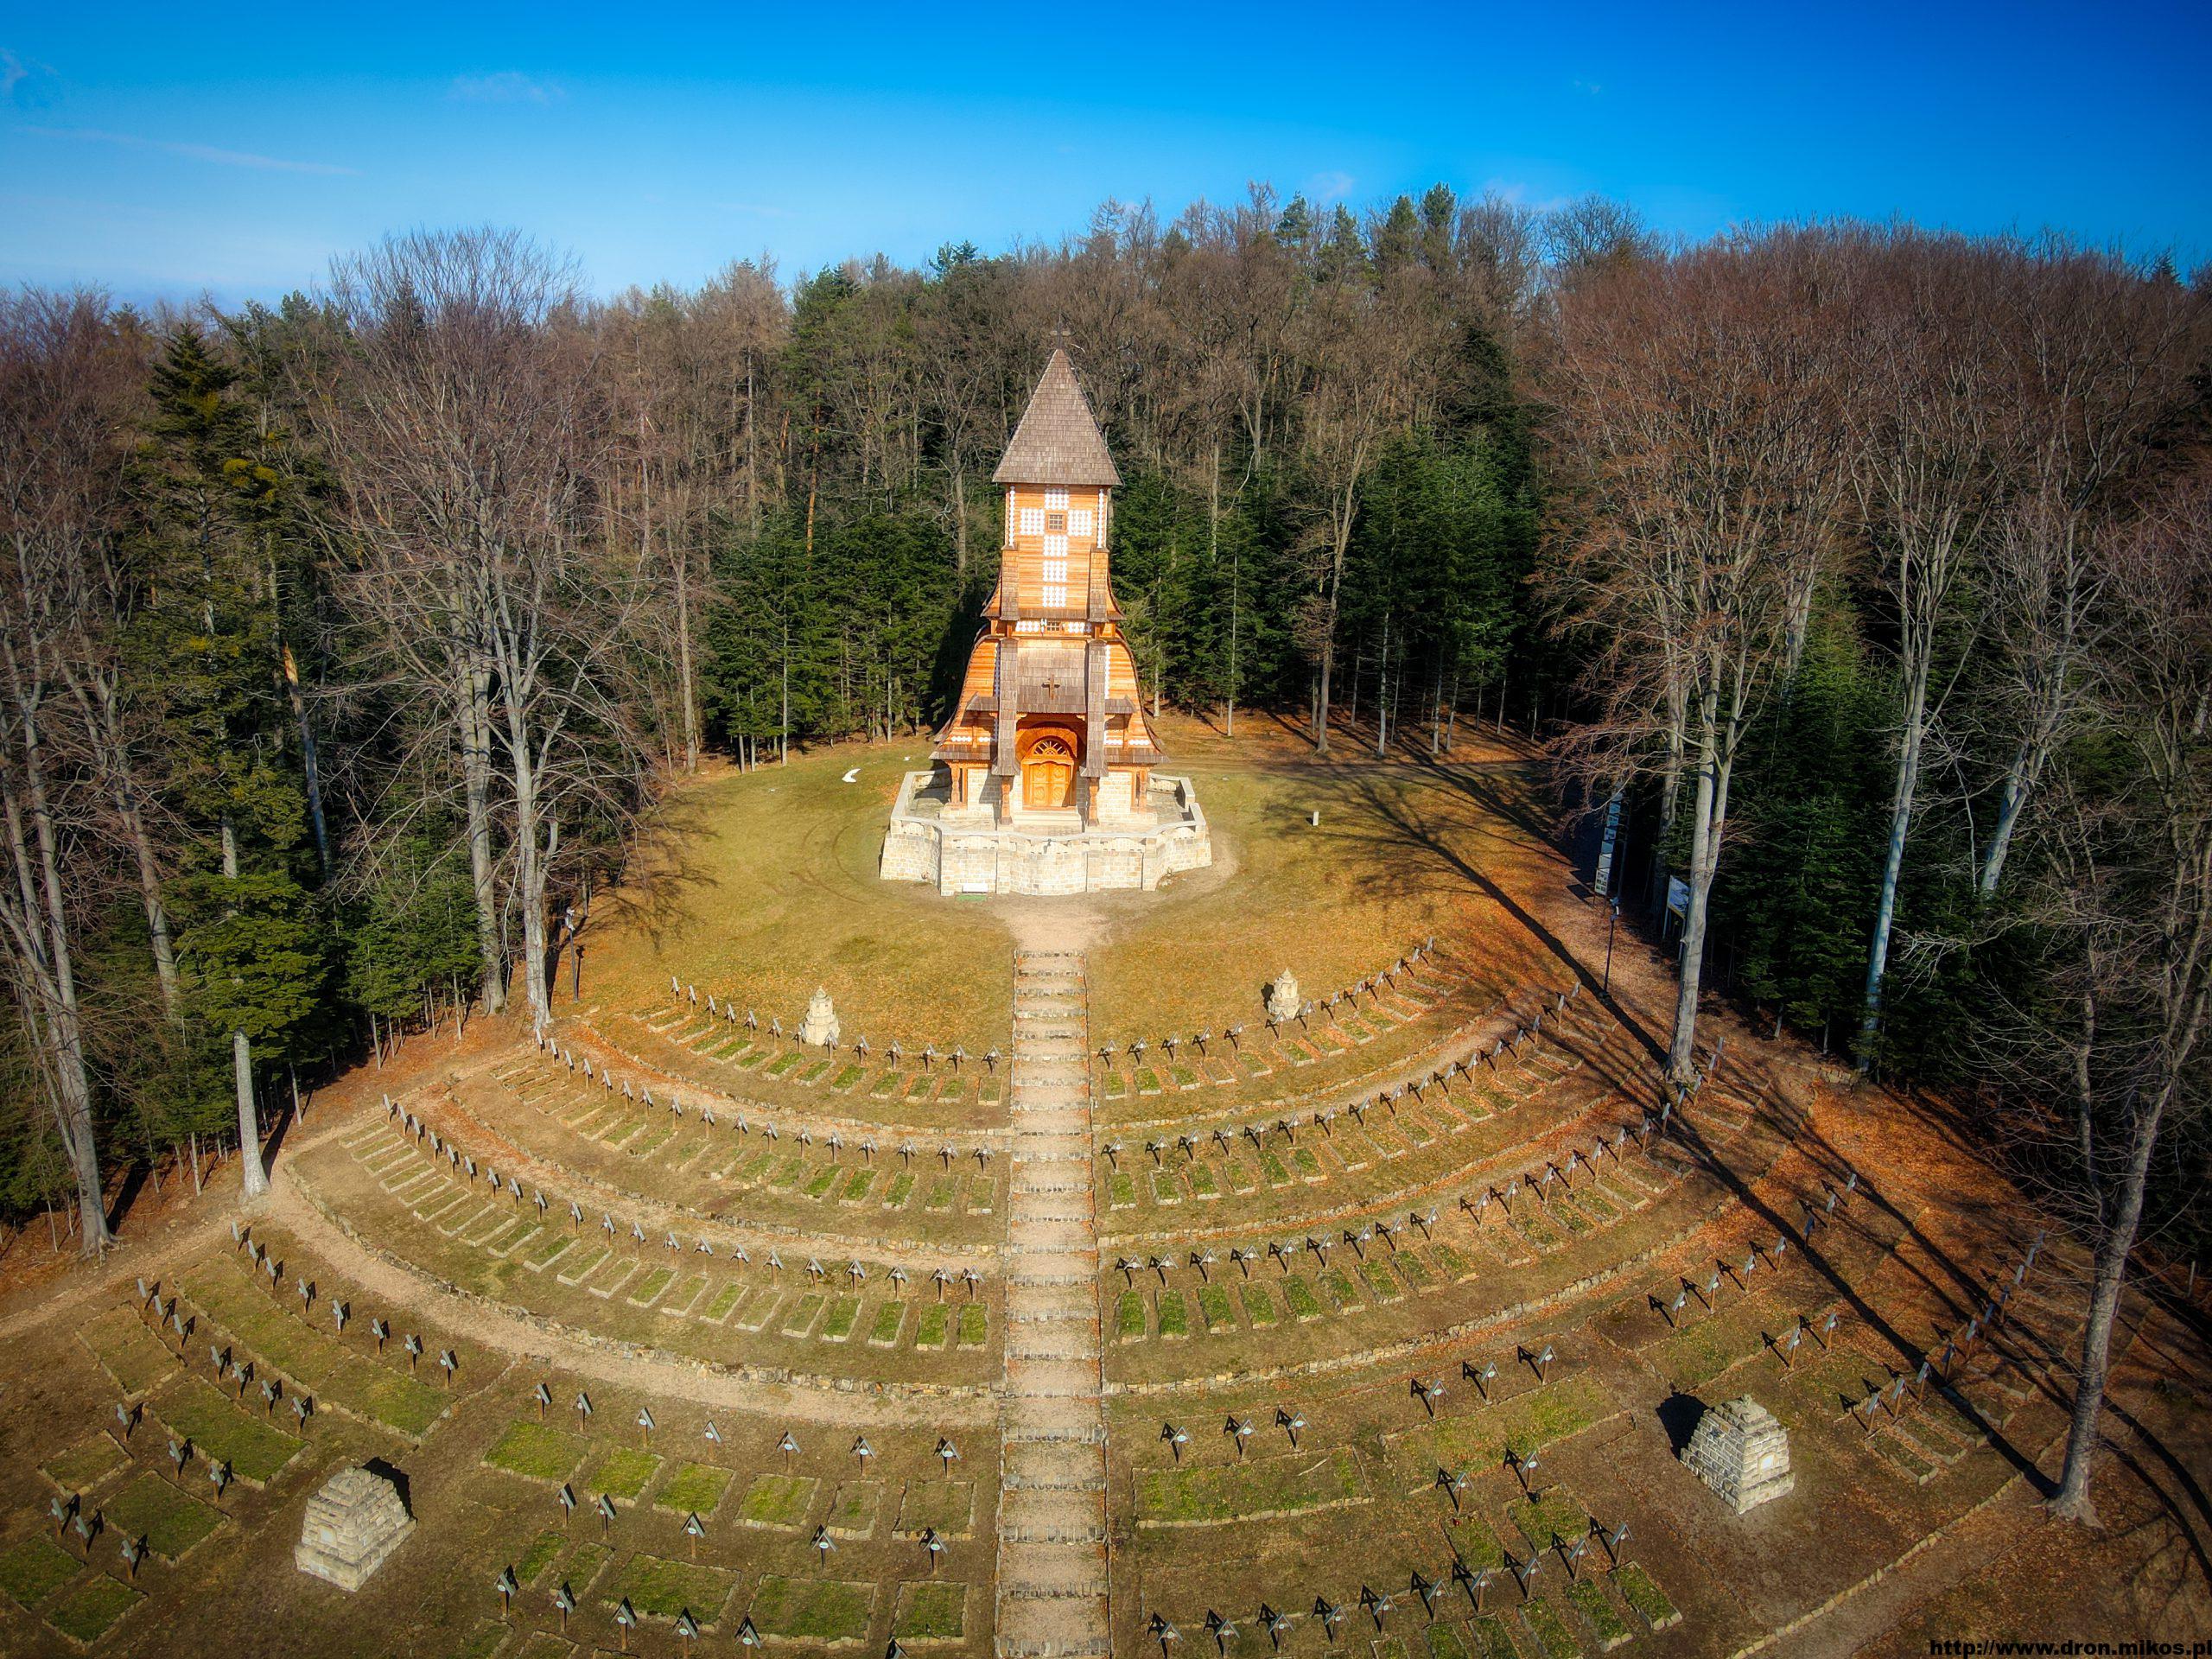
(1867, 571)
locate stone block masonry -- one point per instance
(959, 853)
(1739, 1450)
(1052, 1562)
(352, 1524)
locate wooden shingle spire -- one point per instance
(1058, 442)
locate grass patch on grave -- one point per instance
(1213, 1307)
(842, 1312)
(1415, 1272)
(661, 1588)
(1642, 1592)
(1607, 1626)
(936, 1320)
(1552, 1515)
(33, 1569)
(539, 1556)
(948, 1506)
(1475, 1541)
(974, 1324)
(1258, 1304)
(851, 1508)
(1444, 1643)
(153, 1508)
(1377, 1272)
(1706, 1346)
(85, 1465)
(88, 1613)
(537, 1451)
(254, 1449)
(778, 1500)
(129, 1352)
(888, 1319)
(1495, 1639)
(393, 1398)
(1338, 1289)
(1303, 1304)
(624, 1472)
(813, 1610)
(1553, 1637)
(1527, 1422)
(1191, 1494)
(902, 1189)
(694, 1489)
(725, 1299)
(1121, 1189)
(930, 1610)
(1174, 1314)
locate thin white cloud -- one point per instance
(507, 86)
(1588, 88)
(1326, 188)
(208, 153)
(1520, 194)
(23, 86)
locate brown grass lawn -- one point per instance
(761, 886)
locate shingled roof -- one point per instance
(1058, 442)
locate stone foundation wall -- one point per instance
(963, 857)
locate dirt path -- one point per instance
(1053, 1561)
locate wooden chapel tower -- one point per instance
(1050, 725)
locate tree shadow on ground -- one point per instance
(1409, 849)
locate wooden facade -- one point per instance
(1051, 716)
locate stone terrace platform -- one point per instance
(1043, 853)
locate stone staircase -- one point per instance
(1052, 1562)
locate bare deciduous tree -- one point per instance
(60, 471)
(469, 438)
(1702, 437)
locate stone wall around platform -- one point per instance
(978, 857)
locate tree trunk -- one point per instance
(2009, 800)
(310, 767)
(149, 895)
(476, 779)
(1901, 800)
(254, 1179)
(2108, 1275)
(686, 679)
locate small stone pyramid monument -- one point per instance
(352, 1524)
(1739, 1450)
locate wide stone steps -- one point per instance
(1052, 1564)
(1055, 1433)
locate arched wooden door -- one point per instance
(1047, 772)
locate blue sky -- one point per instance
(172, 150)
